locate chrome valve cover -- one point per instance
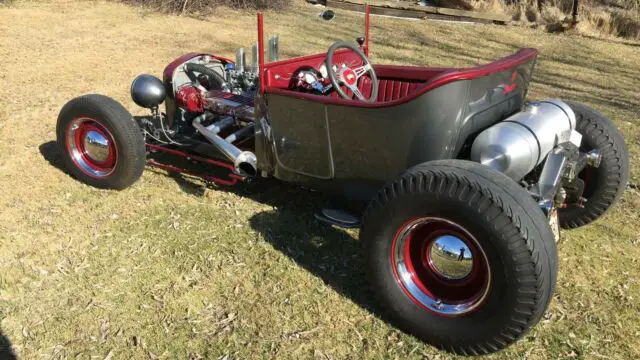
(518, 144)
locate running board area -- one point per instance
(230, 179)
(338, 218)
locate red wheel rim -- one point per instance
(440, 266)
(91, 147)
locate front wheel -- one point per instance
(100, 142)
(462, 257)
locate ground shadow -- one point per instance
(6, 350)
(188, 184)
(49, 152)
(327, 252)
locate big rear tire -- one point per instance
(460, 255)
(603, 185)
(100, 142)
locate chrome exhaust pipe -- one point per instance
(244, 162)
(254, 57)
(240, 60)
(273, 48)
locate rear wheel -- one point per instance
(603, 185)
(100, 142)
(461, 256)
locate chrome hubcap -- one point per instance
(91, 147)
(441, 266)
(450, 257)
(96, 146)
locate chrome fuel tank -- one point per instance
(516, 145)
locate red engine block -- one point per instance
(190, 98)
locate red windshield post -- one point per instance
(261, 53)
(367, 12)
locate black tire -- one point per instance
(603, 185)
(507, 224)
(126, 141)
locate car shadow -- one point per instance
(186, 184)
(6, 350)
(49, 152)
(189, 184)
(327, 252)
(334, 255)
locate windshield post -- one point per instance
(261, 53)
(367, 12)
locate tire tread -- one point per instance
(595, 127)
(127, 134)
(535, 253)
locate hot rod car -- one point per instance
(467, 182)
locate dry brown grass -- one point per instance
(601, 18)
(172, 269)
(610, 22)
(206, 6)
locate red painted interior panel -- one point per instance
(403, 83)
(278, 74)
(394, 81)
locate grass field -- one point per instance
(172, 269)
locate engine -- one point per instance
(240, 78)
(214, 98)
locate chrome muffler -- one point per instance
(244, 162)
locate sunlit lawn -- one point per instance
(172, 269)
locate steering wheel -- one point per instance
(349, 77)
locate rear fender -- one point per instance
(491, 99)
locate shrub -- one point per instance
(205, 6)
(613, 22)
(595, 17)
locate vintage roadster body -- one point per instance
(467, 182)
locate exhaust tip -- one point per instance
(246, 164)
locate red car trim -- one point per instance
(446, 76)
(233, 178)
(261, 65)
(367, 12)
(109, 163)
(395, 271)
(302, 59)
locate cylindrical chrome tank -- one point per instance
(518, 144)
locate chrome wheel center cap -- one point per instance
(96, 146)
(450, 257)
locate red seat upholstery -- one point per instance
(393, 89)
(388, 89)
